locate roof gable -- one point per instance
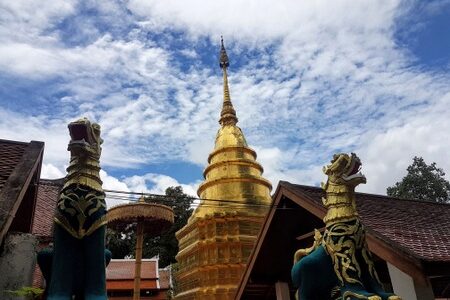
(10, 155)
(19, 166)
(393, 227)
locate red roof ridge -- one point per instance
(57, 181)
(3, 141)
(385, 197)
(401, 199)
(132, 259)
(417, 228)
(50, 181)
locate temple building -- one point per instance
(409, 241)
(220, 235)
(20, 170)
(155, 282)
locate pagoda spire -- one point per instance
(228, 114)
(218, 238)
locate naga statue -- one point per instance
(339, 265)
(75, 267)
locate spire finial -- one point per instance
(142, 198)
(228, 114)
(223, 59)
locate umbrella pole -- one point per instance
(137, 269)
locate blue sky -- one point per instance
(307, 79)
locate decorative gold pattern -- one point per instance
(85, 150)
(303, 252)
(81, 205)
(64, 223)
(217, 240)
(343, 177)
(344, 237)
(341, 241)
(347, 295)
(335, 293)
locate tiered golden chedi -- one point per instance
(217, 240)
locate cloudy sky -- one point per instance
(307, 79)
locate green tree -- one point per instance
(121, 244)
(423, 182)
(166, 245)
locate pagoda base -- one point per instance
(214, 251)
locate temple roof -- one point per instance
(120, 275)
(19, 171)
(47, 197)
(413, 236)
(124, 269)
(11, 153)
(420, 228)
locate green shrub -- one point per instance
(28, 292)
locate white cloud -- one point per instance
(25, 19)
(387, 155)
(189, 53)
(326, 77)
(149, 183)
(286, 165)
(53, 132)
(112, 183)
(256, 20)
(49, 171)
(157, 184)
(95, 60)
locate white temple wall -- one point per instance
(405, 287)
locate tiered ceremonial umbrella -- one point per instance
(150, 218)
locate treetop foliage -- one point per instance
(166, 245)
(422, 182)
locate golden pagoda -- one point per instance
(217, 240)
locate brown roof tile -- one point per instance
(123, 269)
(47, 196)
(418, 227)
(19, 172)
(38, 278)
(11, 153)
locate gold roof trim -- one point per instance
(231, 149)
(242, 162)
(249, 178)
